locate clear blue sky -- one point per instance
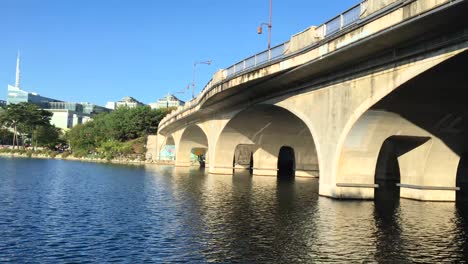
(99, 51)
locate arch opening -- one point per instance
(198, 156)
(244, 158)
(193, 147)
(387, 171)
(286, 163)
(251, 164)
(462, 179)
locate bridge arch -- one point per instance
(193, 144)
(265, 128)
(167, 149)
(427, 107)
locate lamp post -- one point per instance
(259, 30)
(208, 62)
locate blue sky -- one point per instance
(99, 51)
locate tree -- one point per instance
(6, 137)
(11, 117)
(23, 118)
(106, 129)
(46, 136)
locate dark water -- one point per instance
(57, 211)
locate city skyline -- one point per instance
(92, 52)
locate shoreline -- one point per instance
(95, 160)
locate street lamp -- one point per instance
(208, 62)
(259, 30)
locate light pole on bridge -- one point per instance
(208, 62)
(259, 30)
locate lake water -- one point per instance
(62, 211)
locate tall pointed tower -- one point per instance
(17, 82)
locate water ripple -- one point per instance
(68, 212)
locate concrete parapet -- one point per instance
(303, 39)
(369, 7)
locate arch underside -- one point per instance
(193, 143)
(167, 149)
(262, 130)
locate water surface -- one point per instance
(61, 211)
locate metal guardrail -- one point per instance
(258, 59)
(343, 20)
(338, 23)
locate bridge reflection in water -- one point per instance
(255, 219)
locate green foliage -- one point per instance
(65, 154)
(53, 154)
(6, 137)
(24, 119)
(116, 134)
(79, 153)
(5, 150)
(114, 148)
(47, 136)
(84, 138)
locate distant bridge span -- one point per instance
(374, 97)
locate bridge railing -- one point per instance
(343, 20)
(346, 19)
(258, 59)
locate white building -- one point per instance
(127, 101)
(111, 105)
(167, 101)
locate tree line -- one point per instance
(108, 135)
(118, 133)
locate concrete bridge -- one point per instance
(375, 97)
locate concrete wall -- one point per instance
(372, 6)
(303, 39)
(151, 148)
